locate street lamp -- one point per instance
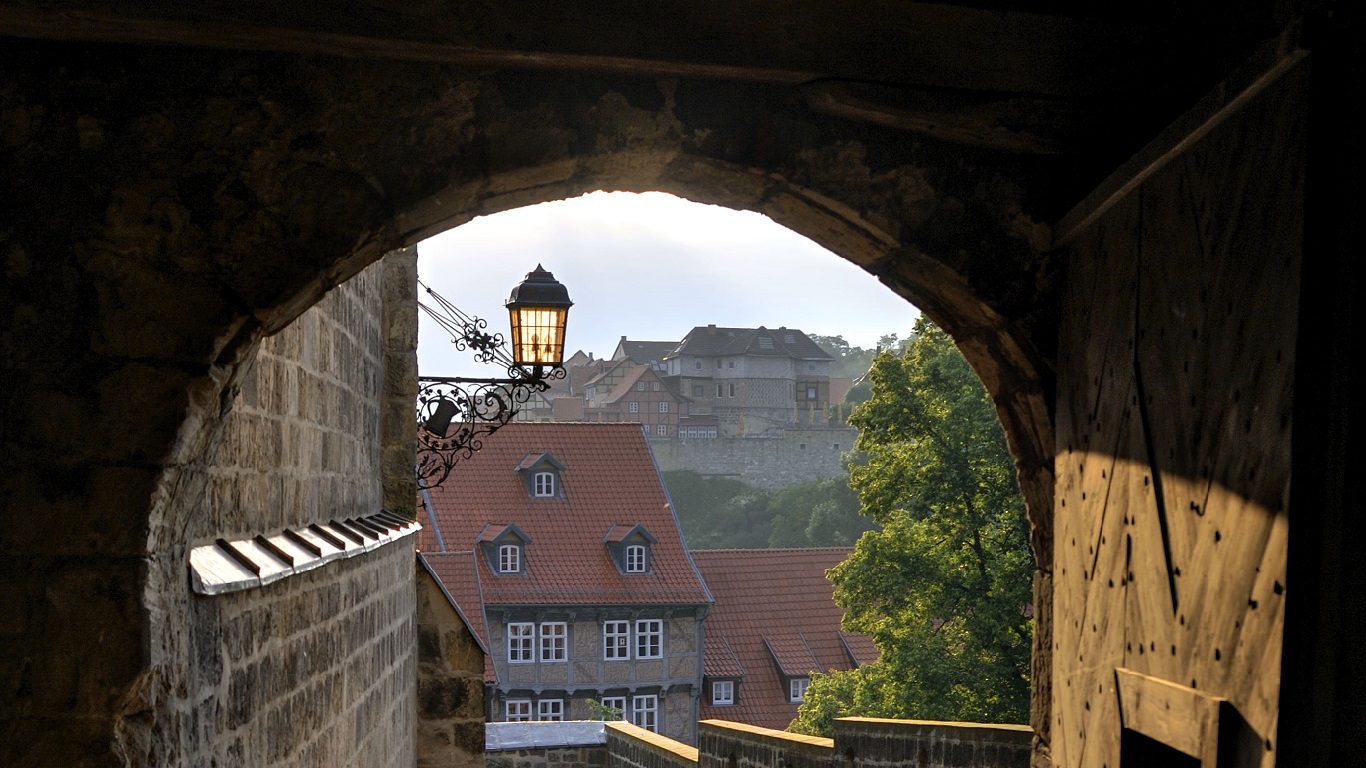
(454, 413)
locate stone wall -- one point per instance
(318, 668)
(797, 456)
(450, 688)
(859, 742)
(867, 742)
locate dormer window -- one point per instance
(509, 558)
(541, 476)
(504, 549)
(797, 689)
(635, 558)
(545, 485)
(629, 546)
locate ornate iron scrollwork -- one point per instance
(454, 414)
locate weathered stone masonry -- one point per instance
(319, 668)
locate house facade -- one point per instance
(561, 538)
(775, 623)
(632, 392)
(753, 382)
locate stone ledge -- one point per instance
(241, 564)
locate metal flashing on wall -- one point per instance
(246, 563)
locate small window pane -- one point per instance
(723, 692)
(616, 640)
(649, 639)
(520, 638)
(517, 710)
(633, 407)
(798, 688)
(645, 711)
(550, 709)
(635, 559)
(553, 634)
(616, 702)
(664, 407)
(545, 484)
(509, 558)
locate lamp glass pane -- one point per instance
(538, 335)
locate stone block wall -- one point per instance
(722, 744)
(859, 742)
(797, 456)
(450, 688)
(866, 742)
(318, 668)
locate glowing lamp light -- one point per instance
(539, 311)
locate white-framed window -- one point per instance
(509, 558)
(732, 390)
(635, 558)
(718, 390)
(662, 430)
(765, 342)
(521, 638)
(797, 688)
(544, 484)
(664, 406)
(722, 692)
(654, 386)
(640, 386)
(649, 639)
(517, 710)
(553, 641)
(633, 407)
(645, 712)
(615, 702)
(616, 640)
(550, 709)
(812, 392)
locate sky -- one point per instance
(650, 267)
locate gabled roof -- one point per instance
(643, 352)
(776, 615)
(457, 576)
(610, 479)
(619, 533)
(711, 341)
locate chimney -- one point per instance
(711, 329)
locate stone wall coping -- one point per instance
(543, 734)
(635, 732)
(800, 738)
(936, 724)
(251, 562)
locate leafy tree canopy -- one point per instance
(943, 589)
(724, 513)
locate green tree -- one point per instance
(943, 589)
(817, 513)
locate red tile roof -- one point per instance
(609, 479)
(774, 611)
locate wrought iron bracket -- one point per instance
(455, 413)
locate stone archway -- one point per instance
(173, 207)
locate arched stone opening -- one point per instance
(207, 213)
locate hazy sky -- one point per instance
(650, 267)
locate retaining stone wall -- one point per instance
(772, 463)
(859, 743)
(879, 743)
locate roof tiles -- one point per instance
(776, 617)
(609, 479)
